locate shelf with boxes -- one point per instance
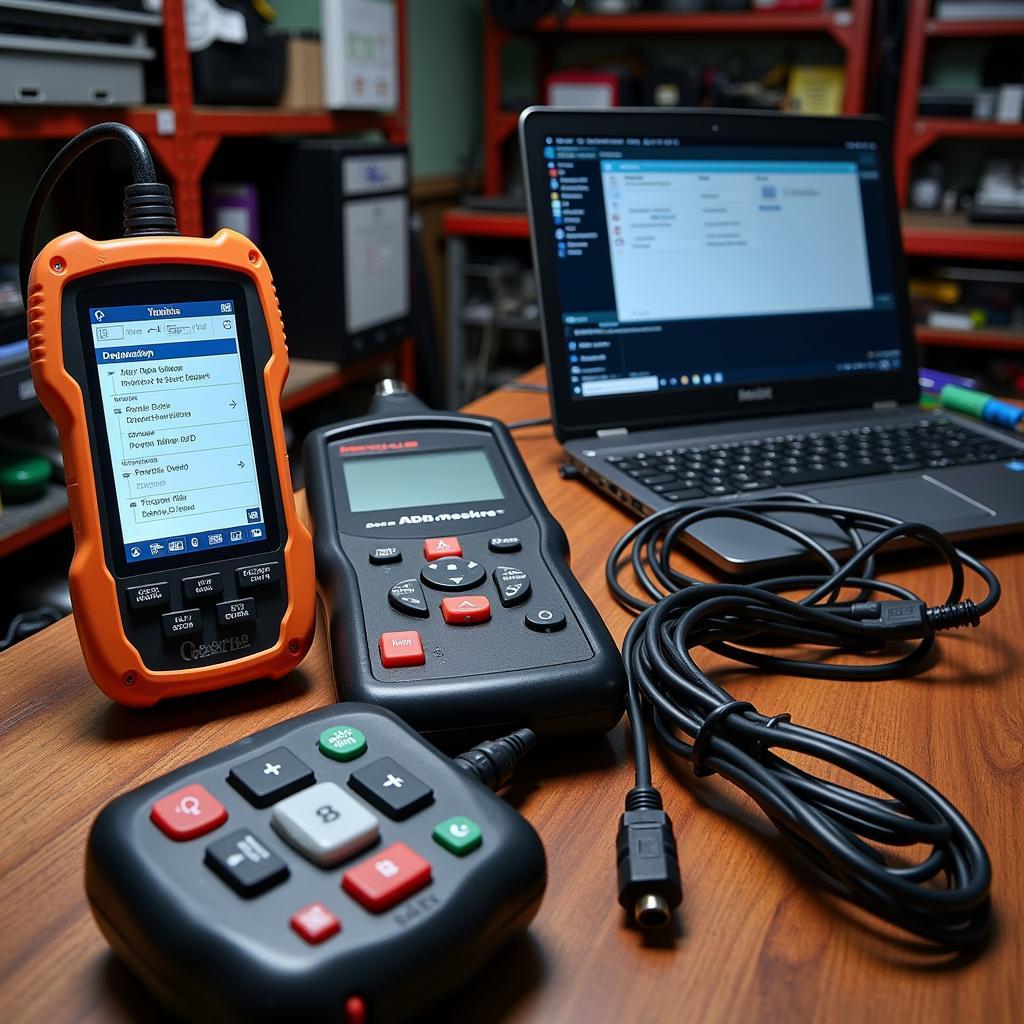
(185, 134)
(848, 27)
(947, 115)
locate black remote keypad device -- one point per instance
(336, 867)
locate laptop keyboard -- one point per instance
(796, 460)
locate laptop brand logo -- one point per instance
(761, 394)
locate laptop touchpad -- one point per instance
(916, 499)
(739, 547)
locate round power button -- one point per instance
(545, 620)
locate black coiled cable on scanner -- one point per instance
(941, 896)
(148, 206)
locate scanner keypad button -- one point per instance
(468, 610)
(402, 649)
(387, 877)
(406, 596)
(148, 595)
(187, 622)
(231, 613)
(187, 813)
(385, 556)
(325, 824)
(545, 620)
(271, 777)
(391, 789)
(250, 576)
(505, 545)
(441, 547)
(245, 863)
(453, 574)
(195, 588)
(315, 923)
(459, 835)
(513, 585)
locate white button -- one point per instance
(325, 823)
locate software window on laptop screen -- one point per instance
(682, 266)
(714, 222)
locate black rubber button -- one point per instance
(245, 863)
(513, 585)
(149, 595)
(453, 574)
(545, 620)
(250, 576)
(505, 545)
(195, 588)
(230, 613)
(406, 596)
(271, 777)
(385, 556)
(391, 789)
(187, 622)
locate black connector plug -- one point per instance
(649, 884)
(897, 620)
(494, 761)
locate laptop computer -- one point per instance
(725, 312)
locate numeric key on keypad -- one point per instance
(325, 824)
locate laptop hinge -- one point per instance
(612, 431)
(889, 403)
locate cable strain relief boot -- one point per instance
(149, 210)
(493, 762)
(954, 616)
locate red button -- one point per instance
(188, 813)
(315, 923)
(399, 650)
(442, 547)
(387, 877)
(465, 611)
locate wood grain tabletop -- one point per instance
(754, 940)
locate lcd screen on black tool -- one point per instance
(381, 482)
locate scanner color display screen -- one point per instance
(177, 422)
(380, 482)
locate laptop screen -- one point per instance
(678, 263)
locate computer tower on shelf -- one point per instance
(336, 233)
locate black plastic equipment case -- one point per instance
(478, 679)
(210, 954)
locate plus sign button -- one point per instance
(271, 777)
(391, 788)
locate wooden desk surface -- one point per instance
(754, 941)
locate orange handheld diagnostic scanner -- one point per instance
(161, 359)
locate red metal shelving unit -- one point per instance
(992, 339)
(915, 134)
(184, 136)
(935, 235)
(849, 26)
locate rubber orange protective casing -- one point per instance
(112, 660)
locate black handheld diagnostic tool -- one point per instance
(446, 580)
(161, 359)
(335, 867)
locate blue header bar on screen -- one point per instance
(119, 314)
(731, 166)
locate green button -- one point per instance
(342, 742)
(458, 835)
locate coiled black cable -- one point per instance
(148, 207)
(943, 896)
